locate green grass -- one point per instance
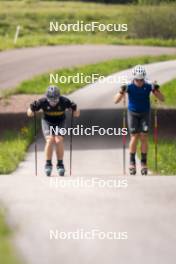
(169, 90)
(7, 254)
(13, 147)
(38, 84)
(166, 156)
(47, 40)
(151, 25)
(166, 147)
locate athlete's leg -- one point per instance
(133, 142)
(132, 150)
(49, 147)
(144, 149)
(59, 140)
(49, 141)
(133, 124)
(48, 154)
(144, 129)
(144, 142)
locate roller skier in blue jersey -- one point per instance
(138, 91)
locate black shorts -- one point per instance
(49, 129)
(138, 122)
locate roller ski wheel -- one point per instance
(61, 170)
(48, 170)
(144, 171)
(132, 170)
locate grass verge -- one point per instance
(166, 156)
(7, 254)
(65, 39)
(13, 147)
(169, 90)
(166, 147)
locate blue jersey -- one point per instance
(139, 97)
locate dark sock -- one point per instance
(144, 158)
(60, 163)
(48, 163)
(132, 159)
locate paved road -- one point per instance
(22, 64)
(145, 209)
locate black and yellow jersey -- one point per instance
(53, 114)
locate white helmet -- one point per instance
(139, 72)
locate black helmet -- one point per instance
(53, 94)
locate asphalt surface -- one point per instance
(145, 209)
(22, 64)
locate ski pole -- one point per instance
(35, 135)
(124, 136)
(71, 140)
(156, 135)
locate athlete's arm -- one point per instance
(76, 112)
(72, 106)
(157, 93)
(35, 106)
(118, 97)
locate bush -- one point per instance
(151, 22)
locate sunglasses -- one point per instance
(139, 80)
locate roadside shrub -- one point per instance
(154, 22)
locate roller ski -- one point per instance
(144, 171)
(61, 170)
(48, 170)
(132, 170)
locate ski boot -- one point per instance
(61, 170)
(48, 170)
(144, 171)
(132, 170)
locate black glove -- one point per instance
(155, 87)
(123, 89)
(73, 106)
(34, 106)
